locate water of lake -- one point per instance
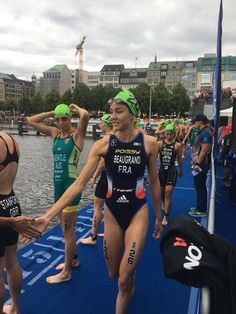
(34, 181)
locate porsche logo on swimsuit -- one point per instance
(127, 151)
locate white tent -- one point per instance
(226, 112)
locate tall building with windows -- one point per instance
(57, 78)
(74, 78)
(92, 78)
(110, 74)
(131, 78)
(12, 88)
(189, 75)
(205, 68)
(171, 73)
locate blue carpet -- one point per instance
(90, 290)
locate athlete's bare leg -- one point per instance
(14, 278)
(97, 218)
(135, 237)
(68, 227)
(168, 201)
(163, 197)
(2, 288)
(124, 265)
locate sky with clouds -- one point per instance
(35, 35)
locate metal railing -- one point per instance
(199, 302)
(205, 292)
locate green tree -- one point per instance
(67, 98)
(51, 100)
(180, 101)
(109, 93)
(96, 97)
(37, 103)
(10, 105)
(142, 94)
(2, 105)
(161, 100)
(82, 96)
(24, 105)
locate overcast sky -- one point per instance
(35, 35)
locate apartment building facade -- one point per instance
(205, 69)
(13, 89)
(110, 75)
(131, 78)
(171, 73)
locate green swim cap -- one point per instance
(163, 123)
(106, 118)
(170, 128)
(62, 110)
(128, 99)
(137, 123)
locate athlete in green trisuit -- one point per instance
(67, 146)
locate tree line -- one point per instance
(163, 101)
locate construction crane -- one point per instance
(79, 49)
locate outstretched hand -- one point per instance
(40, 224)
(158, 229)
(25, 226)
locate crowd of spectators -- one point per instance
(7, 117)
(207, 93)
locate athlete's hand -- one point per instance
(25, 226)
(92, 181)
(158, 229)
(40, 224)
(74, 108)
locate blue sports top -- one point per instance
(125, 165)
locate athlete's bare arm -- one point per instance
(98, 150)
(187, 134)
(81, 129)
(159, 143)
(151, 149)
(36, 122)
(179, 148)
